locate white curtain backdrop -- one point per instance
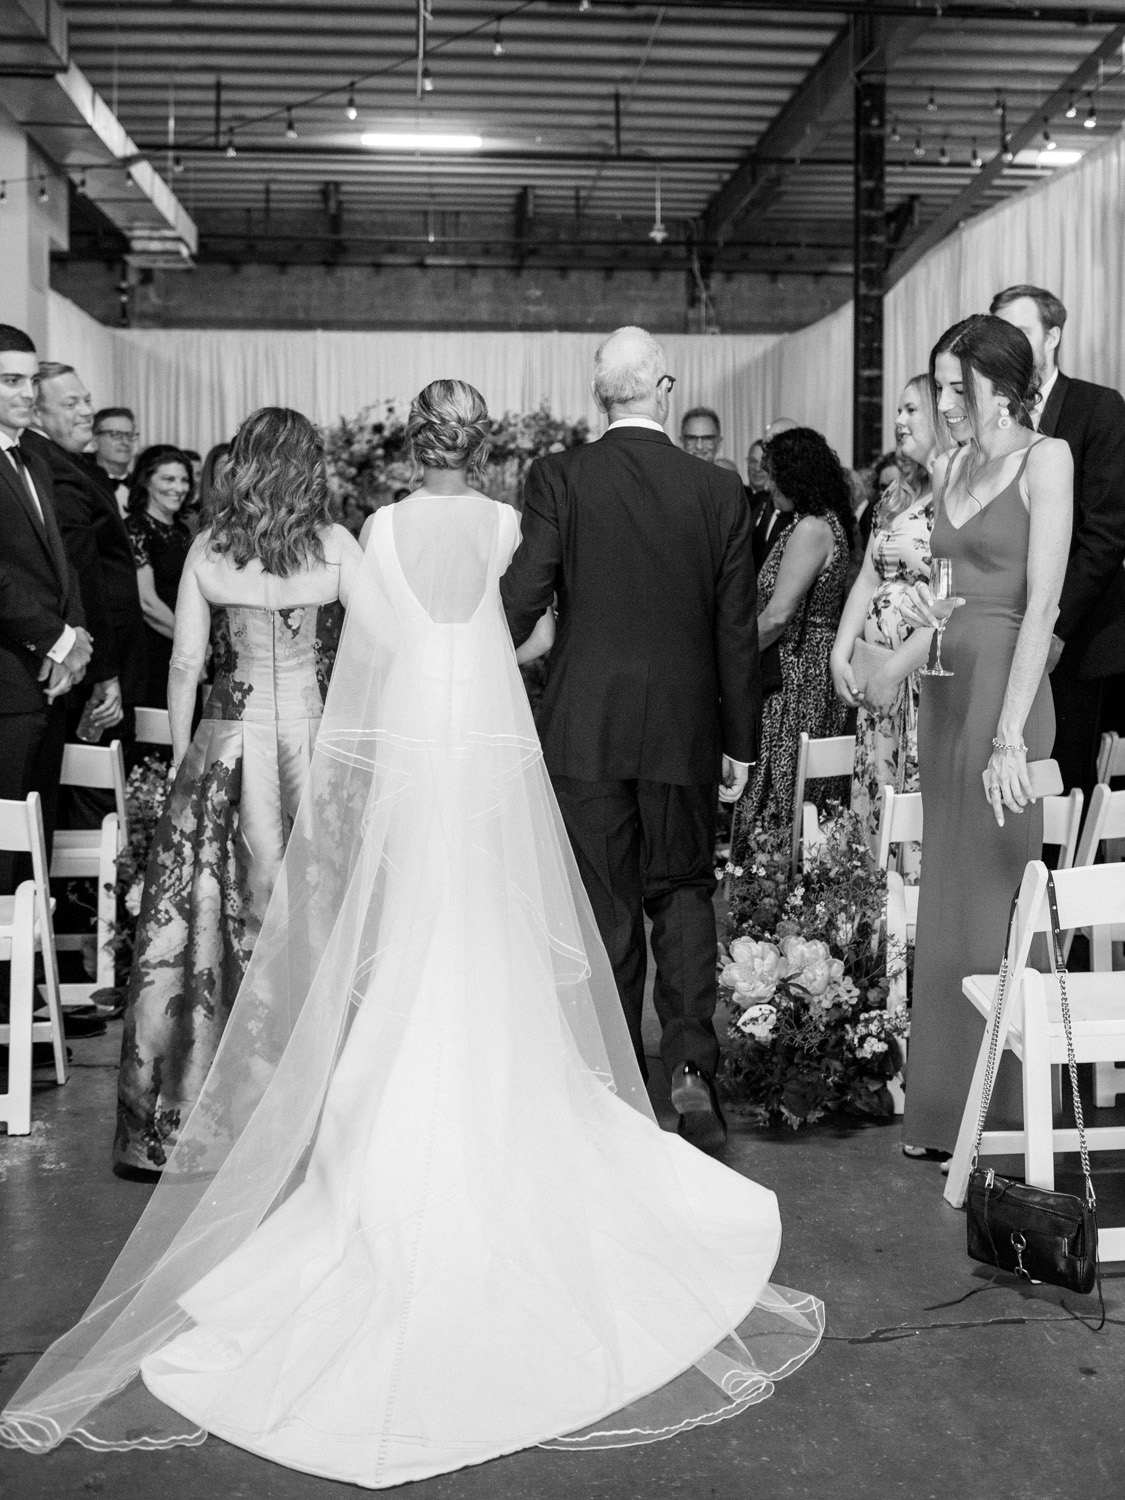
(194, 386)
(807, 375)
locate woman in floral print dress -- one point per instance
(800, 592)
(267, 582)
(897, 556)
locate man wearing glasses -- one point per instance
(653, 695)
(115, 439)
(701, 434)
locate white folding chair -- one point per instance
(1032, 1028)
(153, 727)
(1111, 757)
(25, 929)
(1105, 828)
(817, 760)
(91, 853)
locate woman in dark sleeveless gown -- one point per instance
(267, 582)
(1003, 518)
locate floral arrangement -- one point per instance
(368, 460)
(806, 975)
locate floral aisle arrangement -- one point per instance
(368, 461)
(805, 977)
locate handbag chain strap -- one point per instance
(1058, 964)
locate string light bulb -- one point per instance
(1071, 106)
(919, 149)
(1049, 141)
(231, 152)
(177, 164)
(931, 104)
(583, 7)
(350, 108)
(427, 81)
(1006, 152)
(896, 133)
(44, 195)
(943, 154)
(998, 106)
(976, 160)
(1091, 120)
(498, 43)
(290, 127)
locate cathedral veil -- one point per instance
(428, 862)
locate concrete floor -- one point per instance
(1002, 1396)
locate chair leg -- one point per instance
(51, 990)
(1038, 1124)
(15, 1105)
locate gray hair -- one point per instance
(627, 366)
(51, 369)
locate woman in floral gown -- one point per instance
(897, 556)
(267, 582)
(800, 592)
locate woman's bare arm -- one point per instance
(806, 553)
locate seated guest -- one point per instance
(160, 489)
(97, 544)
(115, 437)
(800, 595)
(701, 434)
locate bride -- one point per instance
(422, 1214)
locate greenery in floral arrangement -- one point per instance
(146, 790)
(368, 460)
(805, 978)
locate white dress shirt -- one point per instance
(62, 647)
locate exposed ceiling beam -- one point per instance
(1064, 12)
(963, 205)
(805, 120)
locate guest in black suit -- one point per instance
(44, 649)
(98, 545)
(115, 441)
(1088, 649)
(766, 518)
(653, 694)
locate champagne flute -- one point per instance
(944, 602)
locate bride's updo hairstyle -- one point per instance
(271, 500)
(993, 349)
(448, 427)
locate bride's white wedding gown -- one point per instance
(428, 1217)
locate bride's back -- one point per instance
(445, 546)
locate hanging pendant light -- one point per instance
(290, 127)
(919, 148)
(1091, 120)
(976, 160)
(350, 108)
(658, 233)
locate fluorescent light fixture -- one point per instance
(1058, 158)
(420, 140)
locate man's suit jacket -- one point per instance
(39, 593)
(654, 672)
(768, 526)
(98, 545)
(1091, 419)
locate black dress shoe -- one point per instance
(82, 1025)
(695, 1101)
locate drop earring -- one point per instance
(1005, 417)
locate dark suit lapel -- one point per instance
(1050, 418)
(23, 500)
(41, 476)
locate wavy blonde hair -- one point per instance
(271, 501)
(908, 488)
(449, 427)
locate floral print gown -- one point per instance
(805, 702)
(886, 750)
(215, 857)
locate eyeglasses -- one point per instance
(671, 380)
(700, 440)
(116, 434)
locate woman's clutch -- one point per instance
(865, 662)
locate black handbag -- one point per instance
(1034, 1233)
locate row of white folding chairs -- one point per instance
(1089, 896)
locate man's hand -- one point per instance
(735, 773)
(57, 678)
(1054, 651)
(77, 658)
(106, 698)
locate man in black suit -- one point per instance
(115, 438)
(44, 648)
(1089, 640)
(653, 694)
(98, 545)
(764, 514)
